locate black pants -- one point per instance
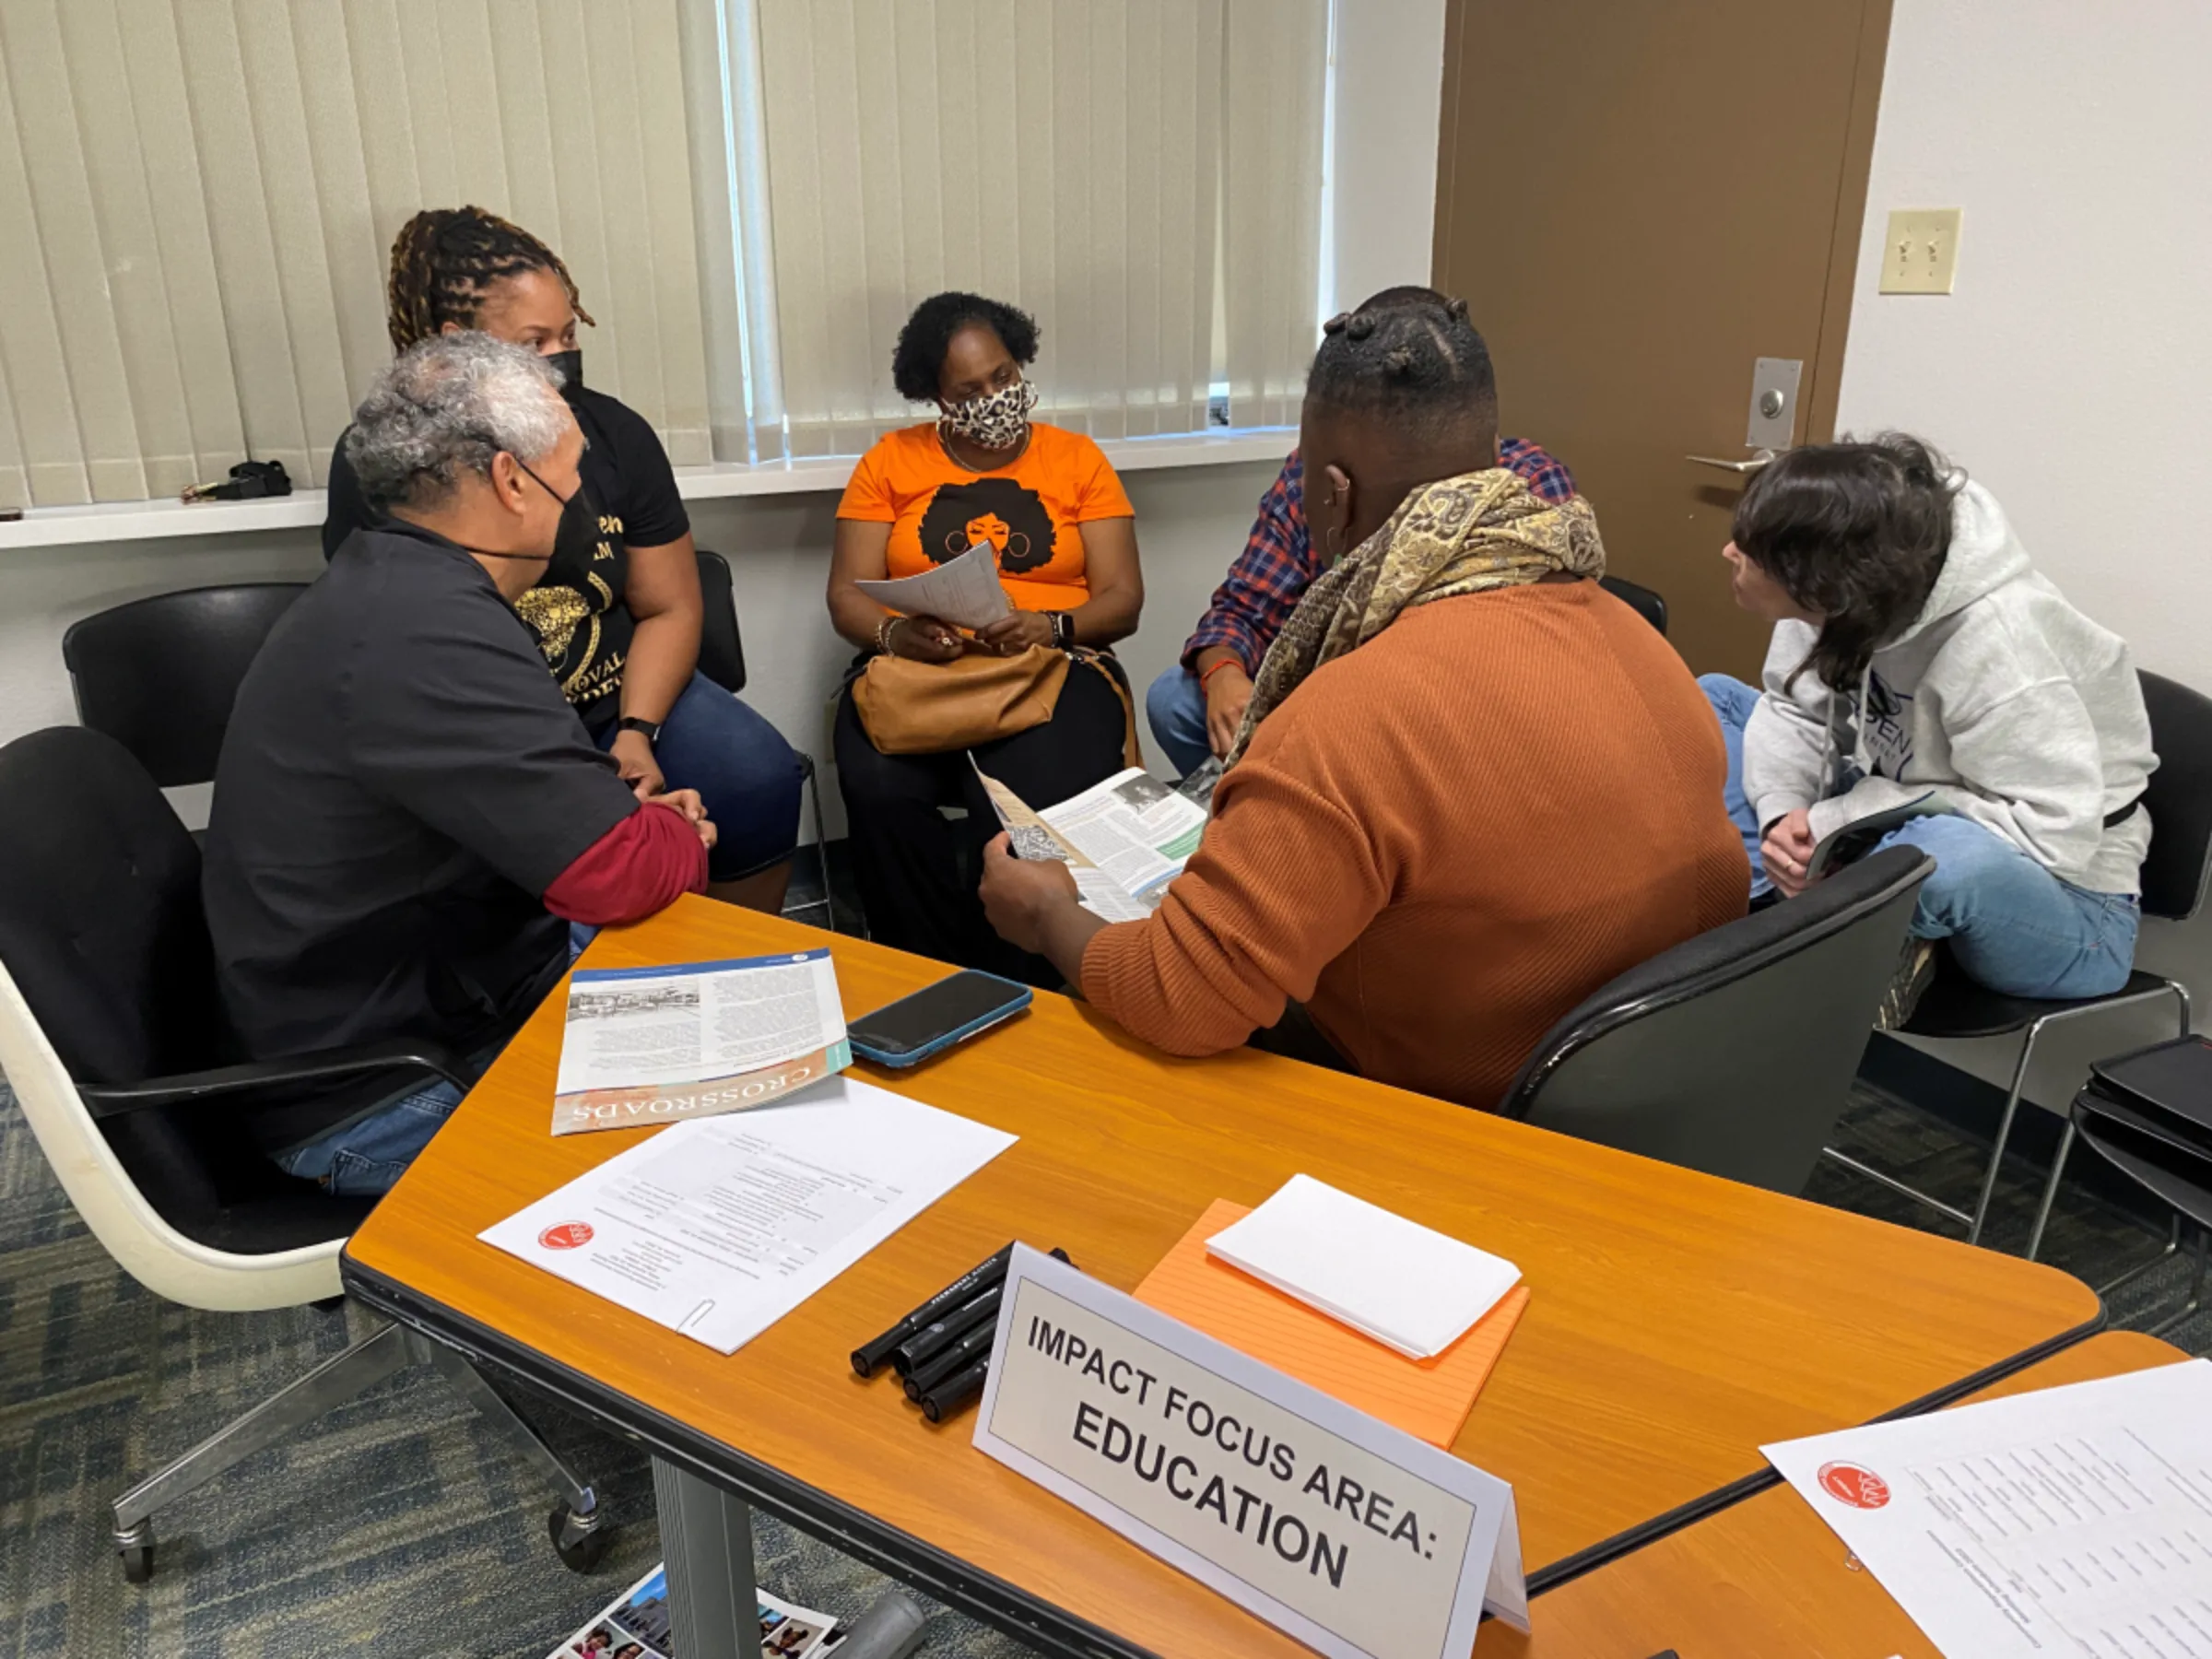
(918, 870)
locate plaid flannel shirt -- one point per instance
(1264, 586)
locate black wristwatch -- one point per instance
(1063, 629)
(631, 723)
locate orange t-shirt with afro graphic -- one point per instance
(1028, 512)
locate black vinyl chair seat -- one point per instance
(103, 932)
(2159, 1170)
(1956, 1006)
(1734, 1051)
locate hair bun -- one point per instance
(1397, 362)
(1335, 325)
(1456, 309)
(1361, 326)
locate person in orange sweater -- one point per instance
(1471, 787)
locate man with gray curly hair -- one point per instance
(412, 830)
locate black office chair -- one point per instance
(721, 660)
(113, 1044)
(1645, 602)
(1734, 1051)
(159, 675)
(2179, 799)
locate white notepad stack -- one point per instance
(1409, 1286)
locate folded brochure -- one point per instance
(695, 1040)
(635, 1625)
(1123, 839)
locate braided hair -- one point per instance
(445, 260)
(1423, 365)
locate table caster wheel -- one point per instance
(580, 1541)
(137, 1548)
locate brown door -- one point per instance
(1639, 199)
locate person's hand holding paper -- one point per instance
(965, 592)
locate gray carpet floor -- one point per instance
(398, 1525)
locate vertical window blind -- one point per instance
(750, 194)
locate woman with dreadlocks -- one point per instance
(617, 616)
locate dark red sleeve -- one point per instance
(641, 865)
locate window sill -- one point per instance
(145, 521)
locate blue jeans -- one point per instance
(362, 1159)
(747, 776)
(1732, 701)
(1175, 708)
(2012, 924)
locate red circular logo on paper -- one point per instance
(1847, 1483)
(567, 1235)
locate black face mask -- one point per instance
(570, 364)
(576, 538)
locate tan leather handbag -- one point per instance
(910, 708)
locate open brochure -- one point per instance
(635, 1626)
(1856, 838)
(658, 1045)
(1123, 839)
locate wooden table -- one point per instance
(1765, 1578)
(1678, 1321)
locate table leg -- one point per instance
(713, 1612)
(707, 1538)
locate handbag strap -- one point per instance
(1132, 753)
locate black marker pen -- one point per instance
(962, 1354)
(955, 1391)
(931, 1340)
(870, 1354)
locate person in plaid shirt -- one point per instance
(1196, 706)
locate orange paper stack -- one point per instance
(1428, 1398)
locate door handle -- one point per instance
(1751, 464)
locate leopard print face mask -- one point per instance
(996, 421)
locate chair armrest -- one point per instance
(399, 1055)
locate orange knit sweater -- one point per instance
(1442, 842)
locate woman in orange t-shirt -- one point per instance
(1063, 532)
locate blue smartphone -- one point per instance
(935, 1018)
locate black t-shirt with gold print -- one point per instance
(583, 628)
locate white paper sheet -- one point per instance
(1407, 1286)
(965, 592)
(718, 1228)
(2077, 1521)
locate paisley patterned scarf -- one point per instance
(1457, 535)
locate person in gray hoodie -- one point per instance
(1919, 662)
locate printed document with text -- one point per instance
(719, 1227)
(2077, 1521)
(1123, 839)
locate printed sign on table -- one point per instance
(1340, 1530)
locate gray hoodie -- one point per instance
(2002, 703)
